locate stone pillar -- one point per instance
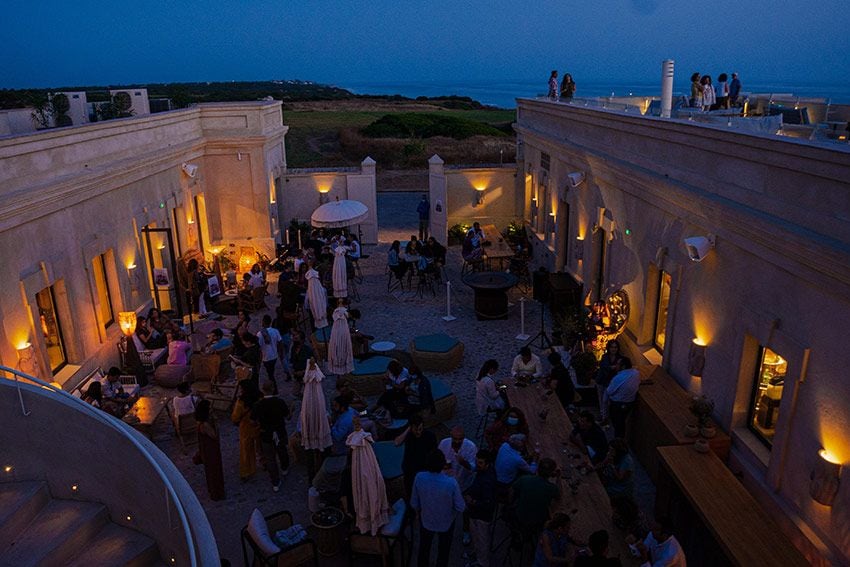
(361, 187)
(439, 226)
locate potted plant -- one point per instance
(702, 408)
(457, 233)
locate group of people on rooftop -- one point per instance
(708, 96)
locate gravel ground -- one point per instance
(396, 317)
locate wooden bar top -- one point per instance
(590, 508)
(747, 535)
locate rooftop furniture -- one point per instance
(257, 536)
(368, 375)
(128, 382)
(717, 519)
(444, 400)
(391, 538)
(438, 352)
(169, 375)
(144, 413)
(253, 299)
(659, 419)
(491, 293)
(185, 427)
(389, 458)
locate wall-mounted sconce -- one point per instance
(696, 358)
(576, 178)
(133, 277)
(127, 322)
(479, 196)
(578, 249)
(825, 478)
(323, 194)
(699, 246)
(190, 169)
(27, 362)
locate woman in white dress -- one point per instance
(317, 298)
(340, 272)
(340, 352)
(709, 98)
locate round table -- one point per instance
(383, 346)
(327, 522)
(491, 297)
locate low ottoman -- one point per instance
(438, 352)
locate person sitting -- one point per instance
(661, 548)
(617, 470)
(532, 496)
(114, 391)
(394, 261)
(148, 337)
(438, 251)
(488, 396)
(554, 543)
(477, 235)
(413, 247)
(598, 544)
(216, 342)
(510, 422)
(469, 251)
(510, 462)
(526, 365)
(179, 349)
(589, 437)
(397, 375)
(94, 395)
(392, 404)
(359, 340)
(561, 381)
(355, 252)
(184, 403)
(419, 394)
(342, 426)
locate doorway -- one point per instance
(162, 269)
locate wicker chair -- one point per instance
(301, 553)
(253, 300)
(438, 352)
(368, 375)
(445, 403)
(391, 542)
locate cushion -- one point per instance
(322, 335)
(372, 365)
(435, 343)
(259, 532)
(439, 389)
(393, 526)
(389, 458)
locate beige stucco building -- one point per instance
(87, 213)
(770, 299)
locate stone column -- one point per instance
(361, 187)
(439, 225)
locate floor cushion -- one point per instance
(372, 365)
(438, 342)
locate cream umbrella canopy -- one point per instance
(317, 299)
(315, 430)
(339, 214)
(340, 272)
(340, 351)
(367, 483)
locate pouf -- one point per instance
(444, 401)
(438, 352)
(367, 378)
(170, 375)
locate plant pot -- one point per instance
(708, 431)
(691, 430)
(701, 446)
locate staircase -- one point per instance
(37, 530)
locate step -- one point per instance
(117, 546)
(20, 502)
(56, 534)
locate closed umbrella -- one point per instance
(340, 272)
(367, 483)
(315, 430)
(340, 352)
(317, 298)
(339, 214)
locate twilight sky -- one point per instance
(51, 43)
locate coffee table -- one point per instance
(144, 413)
(383, 346)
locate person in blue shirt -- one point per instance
(216, 342)
(734, 90)
(510, 462)
(424, 209)
(343, 424)
(437, 499)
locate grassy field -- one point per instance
(313, 137)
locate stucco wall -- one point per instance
(500, 203)
(778, 276)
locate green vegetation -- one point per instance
(417, 125)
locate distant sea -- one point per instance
(503, 93)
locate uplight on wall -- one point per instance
(27, 362)
(323, 194)
(825, 478)
(696, 357)
(479, 196)
(133, 277)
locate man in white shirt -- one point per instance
(661, 548)
(620, 396)
(460, 454)
(270, 343)
(526, 365)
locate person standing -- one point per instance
(424, 210)
(620, 396)
(533, 494)
(722, 92)
(437, 499)
(271, 345)
(480, 505)
(271, 413)
(209, 451)
(418, 443)
(709, 98)
(299, 354)
(249, 430)
(553, 85)
(568, 88)
(460, 455)
(696, 91)
(734, 90)
(561, 381)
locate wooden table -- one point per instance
(147, 409)
(497, 252)
(659, 419)
(590, 508)
(706, 501)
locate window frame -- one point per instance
(754, 393)
(108, 292)
(51, 294)
(659, 296)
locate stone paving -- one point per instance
(397, 317)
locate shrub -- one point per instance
(418, 125)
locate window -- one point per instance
(660, 333)
(767, 393)
(48, 320)
(544, 161)
(102, 287)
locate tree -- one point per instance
(41, 110)
(117, 107)
(60, 105)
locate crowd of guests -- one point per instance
(419, 255)
(707, 96)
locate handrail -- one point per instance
(112, 422)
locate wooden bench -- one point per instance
(128, 382)
(716, 520)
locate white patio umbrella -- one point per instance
(339, 214)
(315, 430)
(340, 272)
(317, 298)
(367, 483)
(340, 351)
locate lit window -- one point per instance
(102, 284)
(51, 329)
(767, 394)
(660, 335)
